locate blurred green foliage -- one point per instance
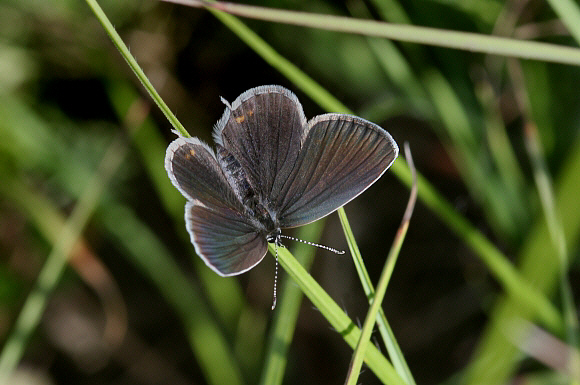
(136, 306)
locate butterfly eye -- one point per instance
(271, 238)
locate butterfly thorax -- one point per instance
(247, 195)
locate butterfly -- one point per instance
(272, 169)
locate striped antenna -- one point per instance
(275, 278)
(313, 244)
(276, 240)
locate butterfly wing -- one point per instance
(227, 240)
(342, 155)
(264, 129)
(193, 169)
(224, 239)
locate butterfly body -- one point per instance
(273, 169)
(254, 204)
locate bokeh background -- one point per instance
(82, 143)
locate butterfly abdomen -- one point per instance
(244, 191)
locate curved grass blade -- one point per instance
(377, 300)
(395, 352)
(289, 301)
(336, 317)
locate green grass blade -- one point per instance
(558, 238)
(569, 13)
(395, 352)
(504, 157)
(118, 42)
(336, 317)
(377, 300)
(286, 312)
(467, 41)
(499, 143)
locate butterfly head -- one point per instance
(275, 237)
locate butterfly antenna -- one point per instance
(335, 251)
(275, 278)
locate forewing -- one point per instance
(263, 129)
(341, 157)
(194, 170)
(225, 240)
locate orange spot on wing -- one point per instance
(240, 119)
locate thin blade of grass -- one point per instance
(503, 155)
(335, 316)
(498, 139)
(569, 13)
(287, 310)
(395, 352)
(377, 300)
(544, 186)
(118, 42)
(467, 41)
